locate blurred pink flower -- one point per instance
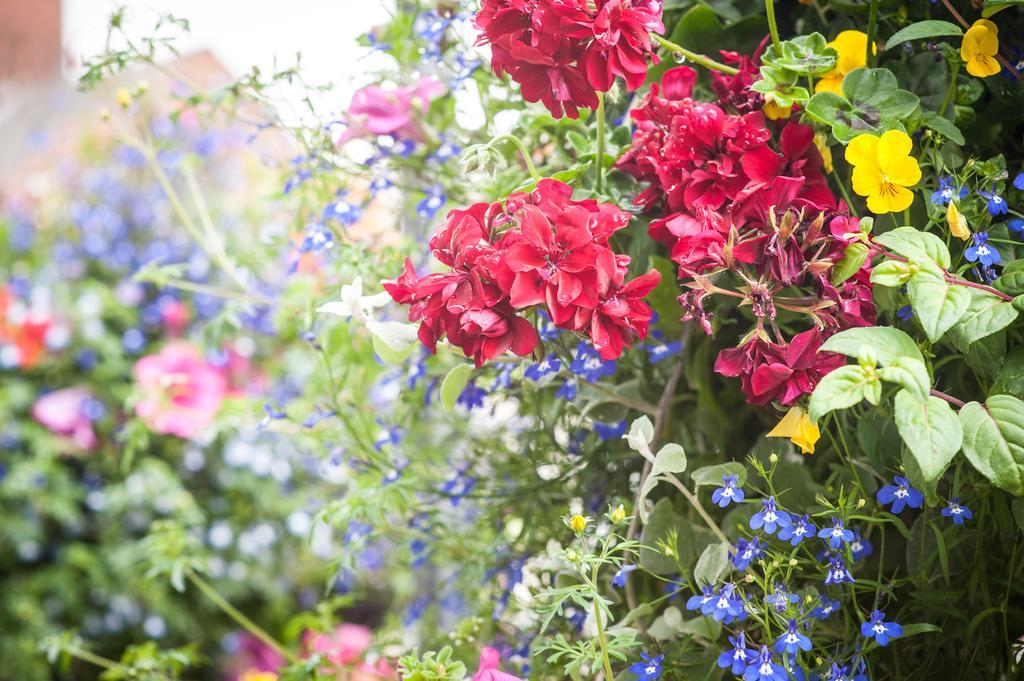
(175, 316)
(344, 646)
(253, 657)
(488, 671)
(180, 391)
(373, 672)
(62, 412)
(376, 111)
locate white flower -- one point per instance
(354, 304)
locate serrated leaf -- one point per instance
(994, 440)
(1011, 283)
(887, 343)
(937, 304)
(909, 373)
(986, 314)
(840, 389)
(453, 384)
(913, 243)
(931, 431)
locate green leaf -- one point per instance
(842, 388)
(923, 29)
(699, 29)
(1010, 379)
(853, 258)
(454, 383)
(986, 314)
(712, 564)
(640, 435)
(872, 102)
(892, 273)
(943, 126)
(888, 344)
(663, 299)
(931, 431)
(658, 528)
(1011, 283)
(805, 55)
(994, 440)
(712, 475)
(937, 304)
(990, 7)
(910, 373)
(388, 353)
(913, 243)
(670, 459)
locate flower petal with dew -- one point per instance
(799, 428)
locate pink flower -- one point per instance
(365, 671)
(488, 671)
(253, 657)
(62, 412)
(180, 391)
(342, 647)
(175, 316)
(376, 111)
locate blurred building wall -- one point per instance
(30, 40)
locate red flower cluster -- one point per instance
(563, 52)
(23, 331)
(730, 191)
(540, 248)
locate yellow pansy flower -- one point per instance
(883, 169)
(775, 112)
(957, 222)
(979, 49)
(851, 48)
(799, 428)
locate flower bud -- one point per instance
(578, 523)
(618, 515)
(773, 458)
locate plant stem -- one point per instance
(599, 166)
(844, 191)
(93, 658)
(981, 287)
(708, 520)
(706, 62)
(869, 57)
(217, 291)
(951, 90)
(769, 8)
(235, 614)
(523, 151)
(601, 639)
(949, 398)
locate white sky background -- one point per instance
(243, 33)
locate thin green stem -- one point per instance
(523, 151)
(217, 291)
(951, 90)
(692, 498)
(237, 615)
(706, 62)
(599, 624)
(869, 57)
(844, 191)
(769, 8)
(93, 658)
(599, 166)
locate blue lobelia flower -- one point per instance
(900, 494)
(826, 606)
(946, 191)
(648, 668)
(996, 204)
(836, 535)
(659, 351)
(697, 601)
(431, 203)
(763, 668)
(880, 630)
(860, 547)
(547, 366)
(610, 431)
(800, 529)
(957, 512)
(780, 599)
(980, 252)
(567, 391)
(472, 396)
(747, 552)
(726, 607)
(739, 657)
(792, 640)
(589, 365)
(837, 572)
(1015, 225)
(1018, 182)
(770, 517)
(729, 492)
(619, 579)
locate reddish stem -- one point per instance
(949, 398)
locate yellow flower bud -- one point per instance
(124, 98)
(773, 458)
(578, 523)
(618, 515)
(957, 222)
